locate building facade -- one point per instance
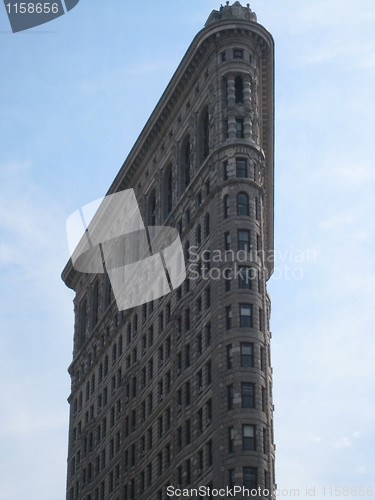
(178, 392)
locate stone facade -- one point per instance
(179, 391)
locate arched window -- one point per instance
(151, 209)
(207, 225)
(226, 206)
(242, 204)
(238, 88)
(199, 235)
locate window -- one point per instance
(179, 439)
(168, 381)
(168, 455)
(95, 304)
(223, 56)
(247, 355)
(243, 240)
(227, 241)
(167, 419)
(246, 320)
(208, 373)
(207, 294)
(230, 396)
(168, 191)
(199, 344)
(226, 206)
(144, 313)
(200, 420)
(187, 319)
(187, 393)
(226, 171)
(160, 426)
(187, 251)
(187, 355)
(150, 404)
(209, 411)
(239, 128)
(150, 336)
(149, 474)
(227, 279)
(207, 225)
(208, 334)
(179, 476)
(242, 204)
(198, 235)
(238, 53)
(230, 439)
(188, 471)
(199, 199)
(260, 319)
(238, 87)
(151, 215)
(248, 395)
(200, 381)
(168, 346)
(209, 453)
(264, 440)
(200, 459)
(161, 322)
(248, 437)
(250, 478)
(160, 390)
(257, 209)
(206, 135)
(244, 278)
(179, 363)
(241, 167)
(263, 399)
(229, 356)
(186, 160)
(228, 317)
(187, 432)
(258, 243)
(231, 478)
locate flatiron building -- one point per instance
(178, 392)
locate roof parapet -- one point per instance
(227, 12)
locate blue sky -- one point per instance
(75, 94)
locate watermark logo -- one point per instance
(143, 263)
(24, 15)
